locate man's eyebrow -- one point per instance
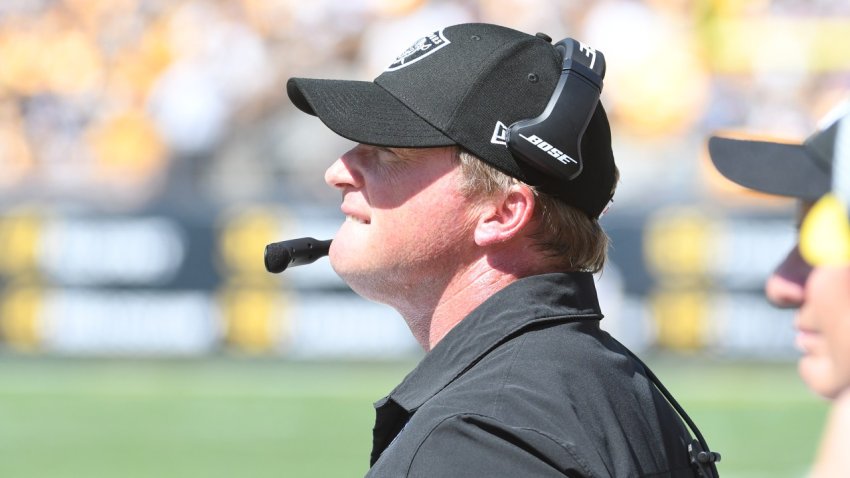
(387, 149)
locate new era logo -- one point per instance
(500, 134)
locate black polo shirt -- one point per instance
(528, 385)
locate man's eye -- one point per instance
(388, 156)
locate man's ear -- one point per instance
(505, 216)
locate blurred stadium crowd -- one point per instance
(169, 118)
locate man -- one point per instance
(484, 235)
(815, 275)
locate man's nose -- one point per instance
(341, 174)
(786, 287)
(334, 173)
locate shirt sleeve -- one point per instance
(481, 446)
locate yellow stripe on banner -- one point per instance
(243, 236)
(745, 45)
(251, 319)
(679, 245)
(20, 311)
(19, 241)
(680, 318)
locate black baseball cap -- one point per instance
(462, 86)
(800, 170)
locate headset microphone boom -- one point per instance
(294, 252)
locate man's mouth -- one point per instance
(806, 341)
(356, 219)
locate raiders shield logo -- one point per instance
(422, 48)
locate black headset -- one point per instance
(552, 142)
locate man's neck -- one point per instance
(462, 293)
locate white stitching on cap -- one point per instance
(419, 50)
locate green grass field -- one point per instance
(267, 418)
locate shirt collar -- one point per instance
(527, 301)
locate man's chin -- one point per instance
(818, 374)
(342, 253)
(353, 274)
(367, 281)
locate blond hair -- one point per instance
(564, 234)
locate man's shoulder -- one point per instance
(441, 439)
(555, 356)
(575, 385)
(481, 445)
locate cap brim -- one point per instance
(364, 112)
(773, 168)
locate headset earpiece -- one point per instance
(551, 142)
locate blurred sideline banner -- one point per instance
(165, 284)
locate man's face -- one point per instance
(822, 295)
(407, 224)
